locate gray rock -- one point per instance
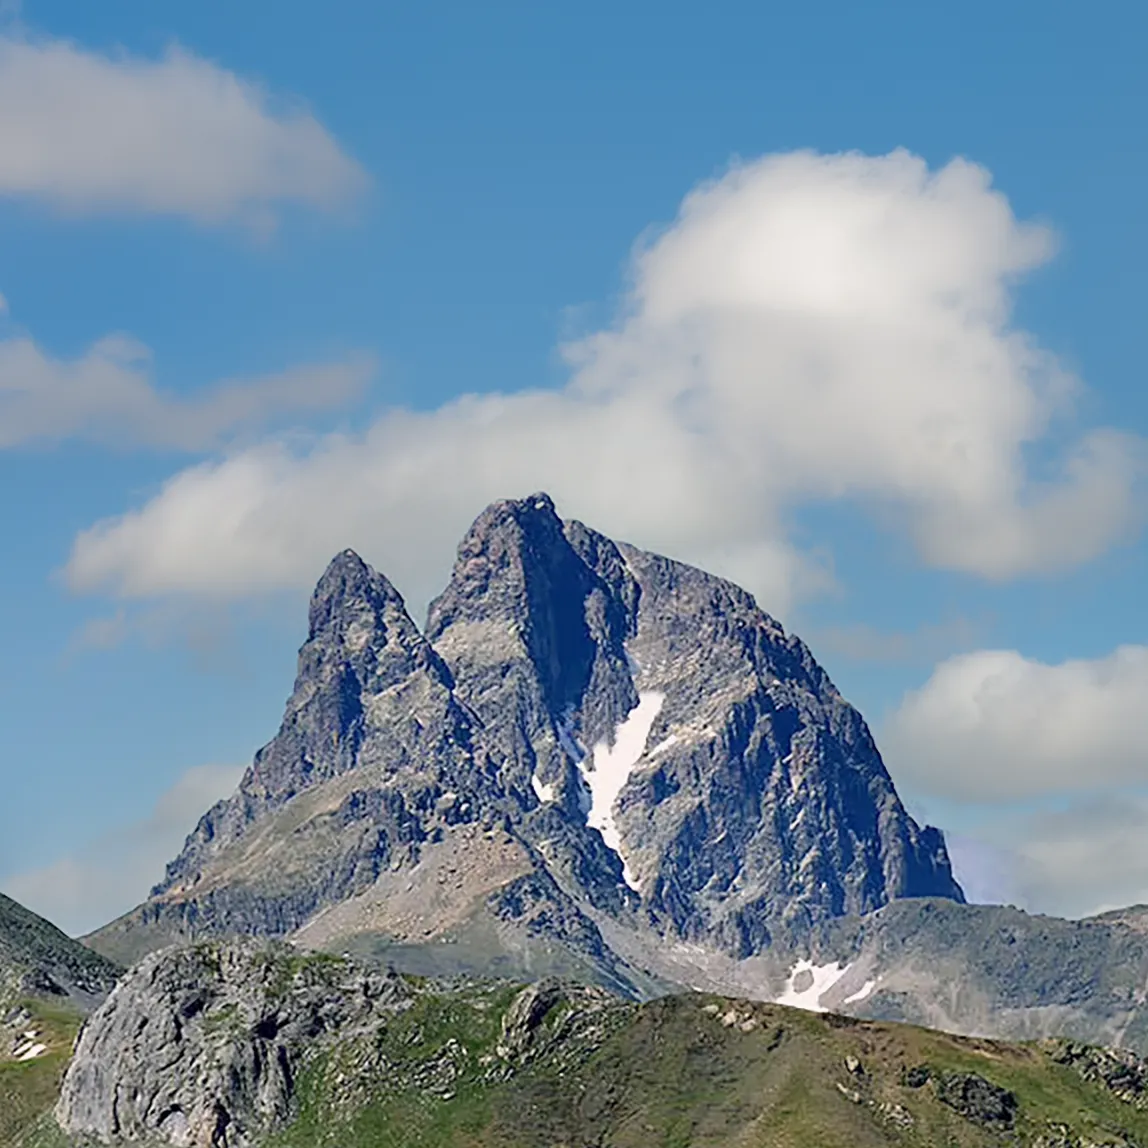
(203, 1046)
(977, 1099)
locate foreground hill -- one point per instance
(47, 983)
(38, 960)
(249, 1046)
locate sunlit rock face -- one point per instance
(586, 737)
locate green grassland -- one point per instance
(463, 1068)
(691, 1071)
(28, 1090)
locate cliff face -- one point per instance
(587, 735)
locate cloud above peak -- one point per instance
(179, 135)
(810, 328)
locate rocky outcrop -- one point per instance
(202, 1047)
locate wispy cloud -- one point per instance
(107, 396)
(178, 135)
(860, 642)
(95, 884)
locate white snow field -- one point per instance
(610, 767)
(823, 978)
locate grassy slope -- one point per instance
(28, 1090)
(671, 1073)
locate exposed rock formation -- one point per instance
(654, 746)
(201, 1047)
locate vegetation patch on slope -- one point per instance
(267, 1048)
(693, 1070)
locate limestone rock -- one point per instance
(201, 1047)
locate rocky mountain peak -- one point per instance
(359, 626)
(349, 587)
(612, 739)
(518, 580)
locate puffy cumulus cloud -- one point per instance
(810, 327)
(1046, 768)
(107, 396)
(87, 888)
(405, 492)
(992, 725)
(179, 135)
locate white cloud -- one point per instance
(90, 887)
(861, 642)
(992, 725)
(809, 328)
(1045, 767)
(107, 396)
(1086, 857)
(179, 135)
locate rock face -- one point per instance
(634, 740)
(201, 1047)
(37, 959)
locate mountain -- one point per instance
(250, 1045)
(38, 960)
(597, 763)
(585, 734)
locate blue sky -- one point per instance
(311, 219)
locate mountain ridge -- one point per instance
(39, 960)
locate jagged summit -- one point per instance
(348, 581)
(590, 746)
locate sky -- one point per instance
(844, 302)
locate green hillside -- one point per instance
(497, 1066)
(28, 1088)
(691, 1070)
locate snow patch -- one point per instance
(611, 767)
(29, 1048)
(663, 745)
(861, 993)
(820, 979)
(544, 793)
